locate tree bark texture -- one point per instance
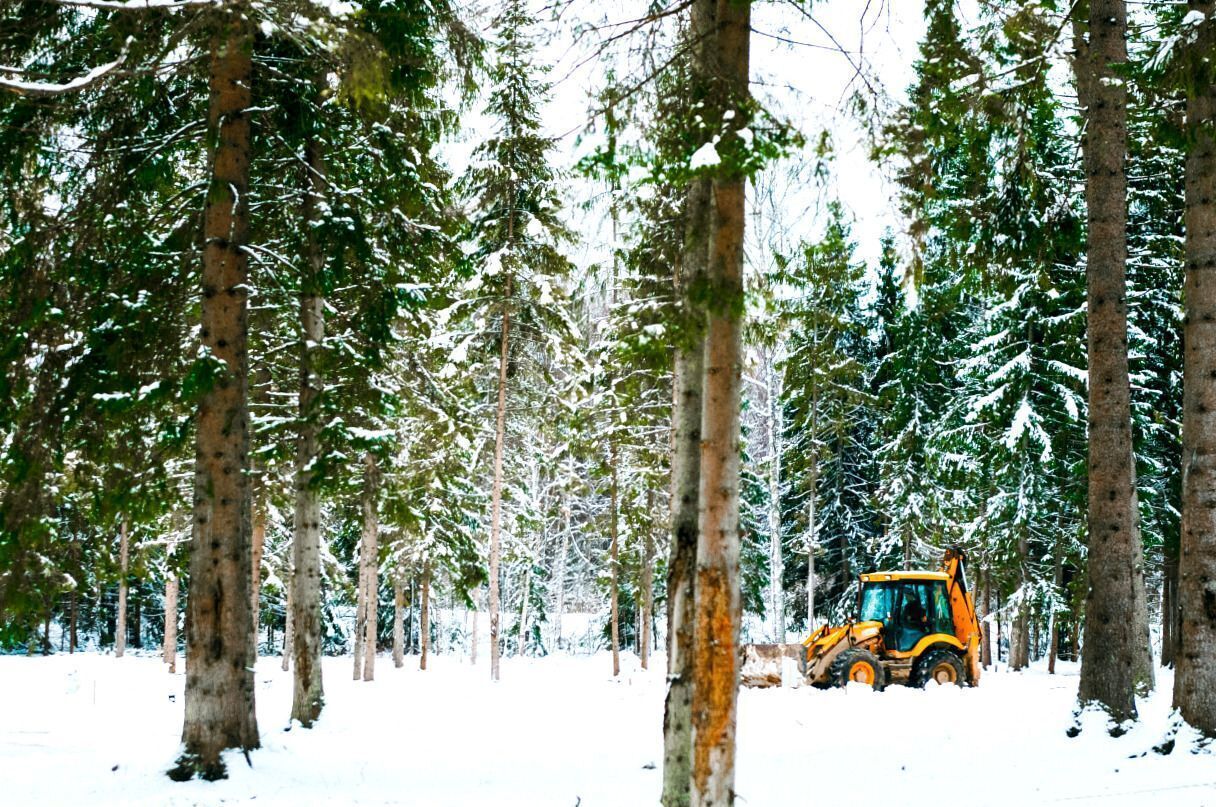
(219, 692)
(1019, 638)
(1195, 678)
(360, 611)
(614, 552)
(424, 616)
(1171, 616)
(473, 644)
(812, 500)
(398, 623)
(1000, 606)
(289, 625)
(646, 584)
(255, 580)
(1057, 580)
(811, 545)
(559, 576)
(124, 550)
(308, 695)
(685, 478)
(169, 651)
(72, 615)
(984, 606)
(1116, 663)
(525, 590)
(500, 434)
(717, 596)
(776, 569)
(371, 561)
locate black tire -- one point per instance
(857, 665)
(939, 664)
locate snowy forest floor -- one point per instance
(92, 729)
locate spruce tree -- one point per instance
(1117, 663)
(515, 235)
(827, 448)
(1194, 690)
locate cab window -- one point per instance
(878, 602)
(943, 622)
(915, 614)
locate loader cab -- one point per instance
(909, 607)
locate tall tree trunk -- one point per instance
(1195, 679)
(409, 620)
(985, 606)
(360, 611)
(308, 696)
(219, 694)
(371, 537)
(137, 634)
(776, 569)
(500, 433)
(170, 647)
(1019, 638)
(1000, 606)
(523, 612)
(559, 576)
(120, 629)
(1057, 580)
(812, 544)
(717, 598)
(473, 637)
(398, 622)
(255, 579)
(74, 605)
(289, 625)
(647, 586)
(1170, 614)
(812, 498)
(614, 560)
(1116, 663)
(424, 616)
(686, 460)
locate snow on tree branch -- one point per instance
(40, 88)
(135, 5)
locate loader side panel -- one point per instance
(925, 643)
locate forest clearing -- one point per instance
(680, 402)
(560, 731)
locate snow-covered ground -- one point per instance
(92, 729)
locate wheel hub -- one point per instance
(944, 674)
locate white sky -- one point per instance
(809, 83)
(812, 84)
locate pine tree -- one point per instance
(219, 643)
(1116, 664)
(687, 405)
(515, 232)
(716, 607)
(1196, 660)
(943, 147)
(827, 446)
(1156, 171)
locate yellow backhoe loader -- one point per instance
(911, 628)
